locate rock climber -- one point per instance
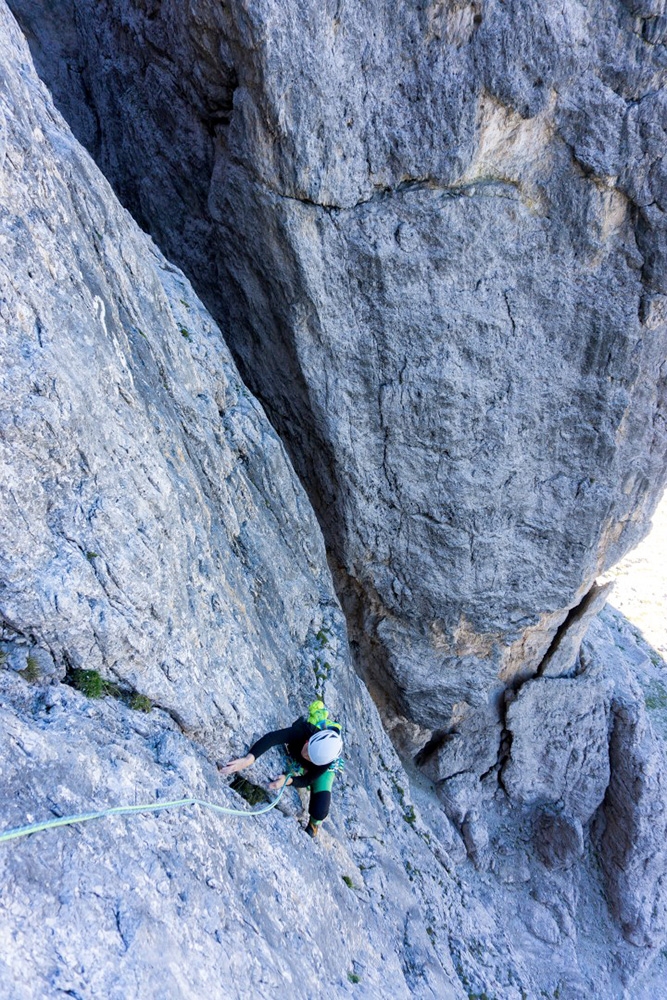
(314, 747)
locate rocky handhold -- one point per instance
(559, 750)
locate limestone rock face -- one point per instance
(593, 747)
(155, 534)
(559, 753)
(154, 529)
(634, 841)
(633, 823)
(437, 247)
(184, 903)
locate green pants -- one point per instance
(320, 797)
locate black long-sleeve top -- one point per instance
(294, 738)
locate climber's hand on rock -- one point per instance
(279, 782)
(239, 764)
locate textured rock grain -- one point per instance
(438, 247)
(181, 904)
(593, 747)
(154, 530)
(633, 825)
(559, 754)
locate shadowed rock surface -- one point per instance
(437, 248)
(154, 531)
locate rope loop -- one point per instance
(51, 824)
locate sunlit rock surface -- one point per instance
(154, 531)
(435, 236)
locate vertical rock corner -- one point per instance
(436, 251)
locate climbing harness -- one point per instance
(24, 831)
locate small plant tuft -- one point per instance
(92, 555)
(30, 672)
(656, 697)
(185, 332)
(88, 682)
(348, 881)
(353, 977)
(253, 794)
(140, 703)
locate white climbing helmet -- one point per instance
(325, 746)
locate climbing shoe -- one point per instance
(312, 829)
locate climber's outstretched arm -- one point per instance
(239, 764)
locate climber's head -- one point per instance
(323, 747)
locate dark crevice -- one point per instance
(438, 740)
(253, 794)
(486, 186)
(575, 616)
(504, 749)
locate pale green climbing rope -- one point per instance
(24, 831)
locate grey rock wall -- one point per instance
(633, 820)
(155, 533)
(153, 530)
(592, 747)
(184, 904)
(437, 248)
